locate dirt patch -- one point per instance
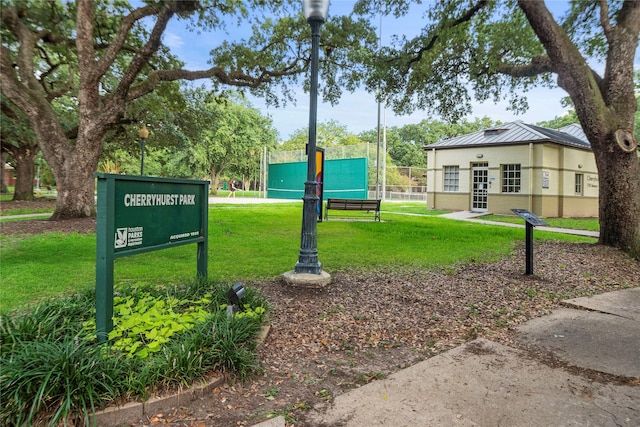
(369, 324)
(40, 224)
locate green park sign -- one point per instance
(139, 214)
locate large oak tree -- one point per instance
(104, 54)
(18, 141)
(494, 49)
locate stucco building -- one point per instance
(551, 173)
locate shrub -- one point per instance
(53, 371)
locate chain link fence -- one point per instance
(386, 182)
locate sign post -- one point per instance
(531, 221)
(138, 214)
(320, 179)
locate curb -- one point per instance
(131, 412)
(134, 411)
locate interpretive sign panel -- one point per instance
(531, 220)
(529, 217)
(138, 214)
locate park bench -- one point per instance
(353, 205)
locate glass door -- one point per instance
(480, 184)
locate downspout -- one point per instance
(560, 194)
(433, 181)
(531, 177)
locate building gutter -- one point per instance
(531, 176)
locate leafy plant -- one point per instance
(53, 371)
(144, 323)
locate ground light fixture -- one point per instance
(234, 295)
(315, 12)
(143, 133)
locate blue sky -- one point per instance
(359, 111)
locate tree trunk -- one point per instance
(606, 108)
(215, 180)
(76, 184)
(25, 171)
(76, 198)
(3, 182)
(619, 192)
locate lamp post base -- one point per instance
(308, 268)
(307, 280)
(308, 257)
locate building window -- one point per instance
(579, 184)
(451, 178)
(510, 178)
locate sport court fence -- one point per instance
(392, 182)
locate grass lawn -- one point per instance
(253, 242)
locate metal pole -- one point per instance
(264, 176)
(378, 157)
(384, 154)
(142, 156)
(529, 248)
(143, 133)
(308, 258)
(377, 196)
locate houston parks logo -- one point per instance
(128, 237)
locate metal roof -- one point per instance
(516, 133)
(575, 130)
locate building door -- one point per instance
(480, 184)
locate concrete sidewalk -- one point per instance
(476, 217)
(483, 383)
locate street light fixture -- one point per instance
(315, 12)
(143, 133)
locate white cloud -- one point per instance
(172, 40)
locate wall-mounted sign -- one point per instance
(545, 179)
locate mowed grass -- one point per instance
(254, 242)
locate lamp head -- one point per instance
(236, 293)
(143, 132)
(315, 10)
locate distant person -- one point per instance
(232, 189)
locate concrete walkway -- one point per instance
(483, 383)
(476, 217)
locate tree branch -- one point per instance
(142, 57)
(233, 78)
(119, 40)
(443, 25)
(604, 19)
(538, 65)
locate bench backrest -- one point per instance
(353, 204)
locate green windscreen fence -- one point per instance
(343, 178)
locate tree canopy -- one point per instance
(495, 50)
(102, 55)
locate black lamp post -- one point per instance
(143, 133)
(315, 11)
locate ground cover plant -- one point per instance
(53, 370)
